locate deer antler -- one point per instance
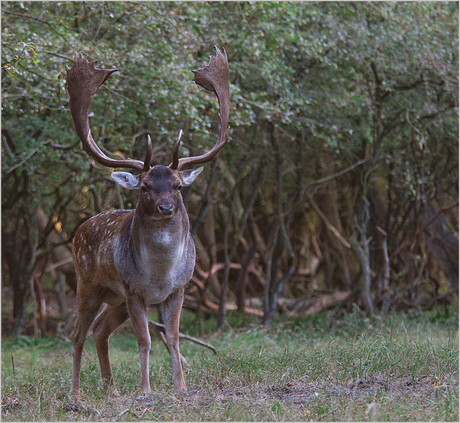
(214, 77)
(83, 80)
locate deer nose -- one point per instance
(166, 209)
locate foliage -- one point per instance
(330, 84)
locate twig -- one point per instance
(97, 412)
(440, 297)
(53, 266)
(326, 302)
(158, 327)
(120, 414)
(58, 55)
(26, 158)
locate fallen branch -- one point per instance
(298, 308)
(214, 308)
(120, 414)
(206, 302)
(326, 302)
(159, 329)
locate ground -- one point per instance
(352, 369)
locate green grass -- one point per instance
(352, 369)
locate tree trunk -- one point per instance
(281, 239)
(361, 247)
(242, 278)
(327, 200)
(19, 248)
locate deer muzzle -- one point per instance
(165, 208)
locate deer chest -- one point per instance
(158, 270)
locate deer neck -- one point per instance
(160, 240)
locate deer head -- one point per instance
(159, 188)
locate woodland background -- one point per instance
(338, 188)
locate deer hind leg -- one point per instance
(172, 308)
(137, 313)
(107, 321)
(86, 312)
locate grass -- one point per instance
(352, 369)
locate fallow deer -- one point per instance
(131, 259)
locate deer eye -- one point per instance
(179, 187)
(144, 190)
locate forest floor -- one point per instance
(303, 369)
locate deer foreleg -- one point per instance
(137, 313)
(172, 308)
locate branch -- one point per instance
(333, 176)
(330, 226)
(60, 263)
(406, 244)
(9, 140)
(62, 146)
(23, 16)
(26, 158)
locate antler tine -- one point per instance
(213, 77)
(83, 80)
(175, 161)
(148, 155)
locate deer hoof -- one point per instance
(72, 407)
(114, 392)
(74, 395)
(181, 393)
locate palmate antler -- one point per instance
(83, 80)
(214, 77)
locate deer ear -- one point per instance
(126, 180)
(188, 176)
